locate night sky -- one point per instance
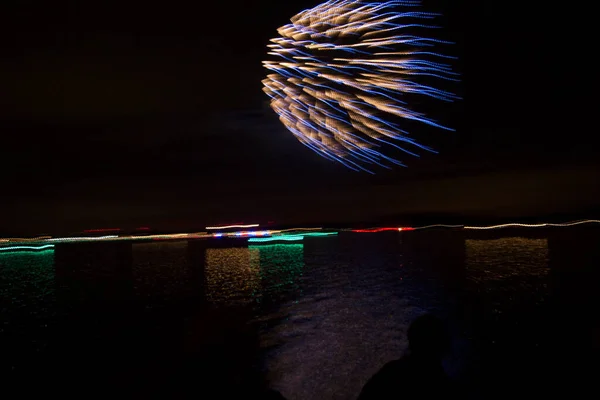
(145, 113)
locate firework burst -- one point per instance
(345, 74)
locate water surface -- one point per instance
(313, 320)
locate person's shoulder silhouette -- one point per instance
(420, 372)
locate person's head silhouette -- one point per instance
(428, 338)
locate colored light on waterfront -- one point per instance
(34, 239)
(541, 225)
(287, 238)
(232, 226)
(375, 230)
(318, 234)
(82, 238)
(27, 248)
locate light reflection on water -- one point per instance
(232, 275)
(260, 274)
(509, 269)
(315, 319)
(347, 321)
(27, 300)
(280, 269)
(506, 258)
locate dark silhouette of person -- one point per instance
(419, 374)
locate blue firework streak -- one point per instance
(344, 73)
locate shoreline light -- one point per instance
(27, 248)
(232, 226)
(271, 234)
(290, 238)
(82, 238)
(542, 225)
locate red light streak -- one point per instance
(102, 230)
(377, 230)
(142, 228)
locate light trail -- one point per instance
(297, 229)
(468, 227)
(35, 239)
(167, 236)
(232, 226)
(241, 234)
(26, 248)
(542, 225)
(82, 238)
(287, 238)
(317, 234)
(376, 230)
(284, 234)
(175, 236)
(250, 233)
(438, 226)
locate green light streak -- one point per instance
(290, 237)
(287, 238)
(26, 248)
(317, 234)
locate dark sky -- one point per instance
(145, 113)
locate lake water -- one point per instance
(312, 320)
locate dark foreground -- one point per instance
(312, 320)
